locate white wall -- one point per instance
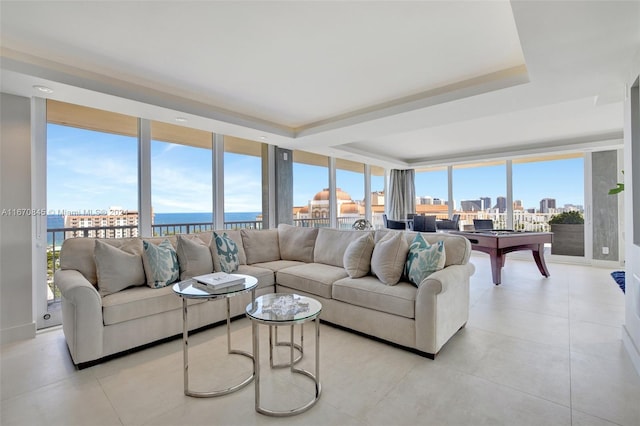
(631, 329)
(16, 295)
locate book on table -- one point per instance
(217, 280)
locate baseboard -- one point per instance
(632, 349)
(607, 264)
(20, 332)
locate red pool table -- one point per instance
(498, 243)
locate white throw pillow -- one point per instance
(194, 257)
(117, 269)
(389, 256)
(296, 243)
(260, 245)
(357, 256)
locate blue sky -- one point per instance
(92, 171)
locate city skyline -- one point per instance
(88, 170)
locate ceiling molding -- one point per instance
(67, 75)
(502, 79)
(600, 142)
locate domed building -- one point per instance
(318, 207)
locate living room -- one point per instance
(569, 125)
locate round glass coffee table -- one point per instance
(280, 309)
(189, 289)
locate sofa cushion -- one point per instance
(235, 235)
(389, 257)
(173, 239)
(369, 292)
(423, 259)
(296, 243)
(276, 265)
(266, 277)
(260, 245)
(332, 243)
(78, 254)
(456, 247)
(139, 302)
(194, 256)
(160, 263)
(313, 278)
(118, 267)
(226, 252)
(357, 256)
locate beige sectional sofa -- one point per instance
(108, 307)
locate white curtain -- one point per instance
(402, 194)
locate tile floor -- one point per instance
(536, 351)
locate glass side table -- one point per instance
(186, 290)
(278, 309)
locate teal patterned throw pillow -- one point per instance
(423, 259)
(161, 264)
(227, 253)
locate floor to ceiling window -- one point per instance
(242, 183)
(377, 195)
(350, 203)
(310, 189)
(480, 190)
(547, 186)
(92, 180)
(181, 179)
(432, 192)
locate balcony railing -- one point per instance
(344, 222)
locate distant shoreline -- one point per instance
(57, 221)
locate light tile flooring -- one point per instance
(536, 351)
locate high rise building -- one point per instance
(425, 200)
(377, 198)
(485, 203)
(471, 205)
(501, 204)
(114, 223)
(546, 204)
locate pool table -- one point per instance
(498, 243)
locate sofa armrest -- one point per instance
(442, 306)
(81, 315)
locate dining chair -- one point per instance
(424, 223)
(449, 224)
(393, 224)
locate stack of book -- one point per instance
(217, 281)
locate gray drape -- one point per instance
(402, 194)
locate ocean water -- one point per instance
(57, 221)
(168, 218)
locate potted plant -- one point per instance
(568, 233)
(618, 189)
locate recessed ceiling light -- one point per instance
(263, 138)
(181, 120)
(43, 89)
